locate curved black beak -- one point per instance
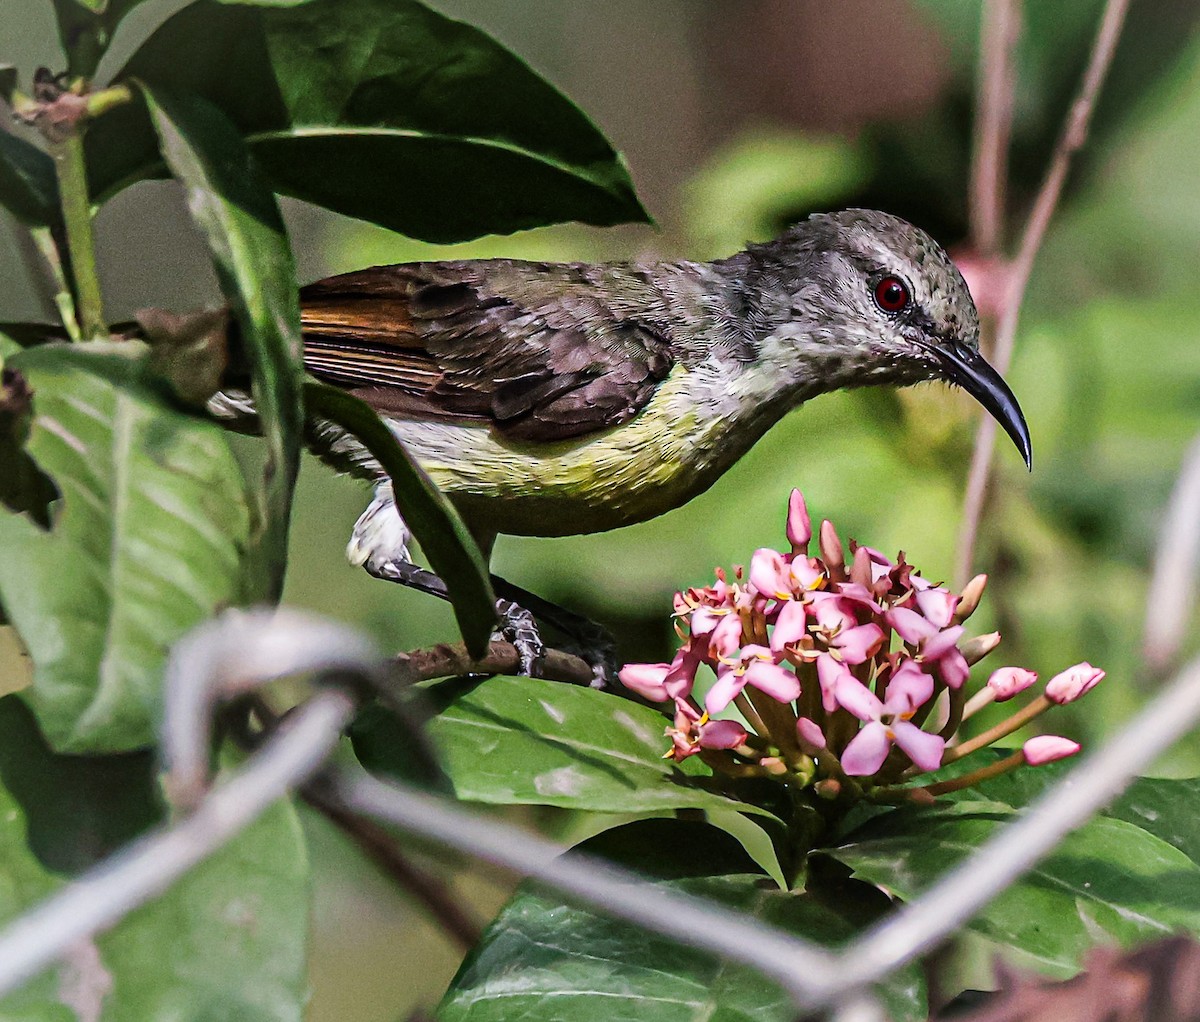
(967, 368)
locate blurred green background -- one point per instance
(737, 118)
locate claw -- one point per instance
(517, 625)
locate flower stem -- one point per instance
(751, 714)
(1006, 727)
(986, 773)
(77, 218)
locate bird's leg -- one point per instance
(593, 642)
(380, 544)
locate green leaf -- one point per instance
(254, 264)
(380, 109)
(28, 185)
(540, 959)
(444, 538)
(78, 809)
(1109, 880)
(530, 741)
(228, 941)
(86, 28)
(146, 543)
(1163, 807)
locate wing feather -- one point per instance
(525, 347)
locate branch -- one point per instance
(993, 126)
(447, 661)
(1073, 137)
(378, 845)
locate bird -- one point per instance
(552, 399)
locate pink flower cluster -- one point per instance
(841, 668)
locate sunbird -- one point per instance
(552, 399)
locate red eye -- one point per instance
(891, 294)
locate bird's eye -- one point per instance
(891, 295)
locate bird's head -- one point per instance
(881, 300)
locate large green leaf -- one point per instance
(542, 960)
(254, 264)
(28, 185)
(379, 109)
(531, 741)
(146, 543)
(444, 538)
(228, 941)
(1109, 880)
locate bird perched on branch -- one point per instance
(551, 399)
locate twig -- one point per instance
(381, 848)
(994, 108)
(447, 661)
(794, 964)
(1073, 136)
(146, 868)
(962, 892)
(1172, 597)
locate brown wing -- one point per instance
(525, 347)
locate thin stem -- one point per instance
(77, 217)
(1001, 29)
(1006, 727)
(1073, 137)
(1001, 766)
(751, 714)
(382, 849)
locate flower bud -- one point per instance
(969, 599)
(809, 736)
(1047, 748)
(647, 680)
(1069, 685)
(979, 646)
(831, 551)
(799, 526)
(1009, 681)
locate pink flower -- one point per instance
(934, 645)
(693, 732)
(726, 637)
(1010, 681)
(757, 668)
(1047, 748)
(770, 574)
(937, 604)
(1069, 685)
(791, 626)
(849, 641)
(799, 526)
(889, 721)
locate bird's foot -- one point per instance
(517, 625)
